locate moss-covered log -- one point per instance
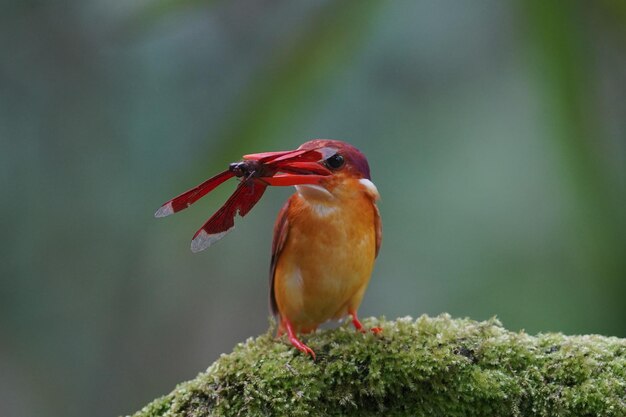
(426, 367)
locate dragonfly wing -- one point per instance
(266, 156)
(247, 194)
(286, 180)
(303, 168)
(191, 196)
(310, 155)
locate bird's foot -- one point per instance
(297, 343)
(376, 330)
(359, 326)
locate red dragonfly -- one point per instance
(256, 172)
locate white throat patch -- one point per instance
(370, 187)
(318, 198)
(313, 192)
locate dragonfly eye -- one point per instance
(244, 168)
(237, 168)
(335, 162)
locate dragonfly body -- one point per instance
(250, 169)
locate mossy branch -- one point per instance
(426, 367)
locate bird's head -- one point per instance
(350, 172)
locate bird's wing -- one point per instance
(379, 228)
(281, 229)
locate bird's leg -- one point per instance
(359, 327)
(355, 321)
(294, 339)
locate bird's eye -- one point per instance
(335, 162)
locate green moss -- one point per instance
(426, 367)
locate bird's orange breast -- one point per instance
(327, 259)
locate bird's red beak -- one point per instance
(286, 168)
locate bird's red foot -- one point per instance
(297, 343)
(359, 326)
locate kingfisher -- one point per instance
(326, 237)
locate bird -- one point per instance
(326, 237)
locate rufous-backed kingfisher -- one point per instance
(326, 237)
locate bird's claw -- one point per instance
(376, 330)
(359, 326)
(302, 347)
(297, 343)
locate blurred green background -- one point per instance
(496, 133)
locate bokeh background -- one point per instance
(496, 133)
